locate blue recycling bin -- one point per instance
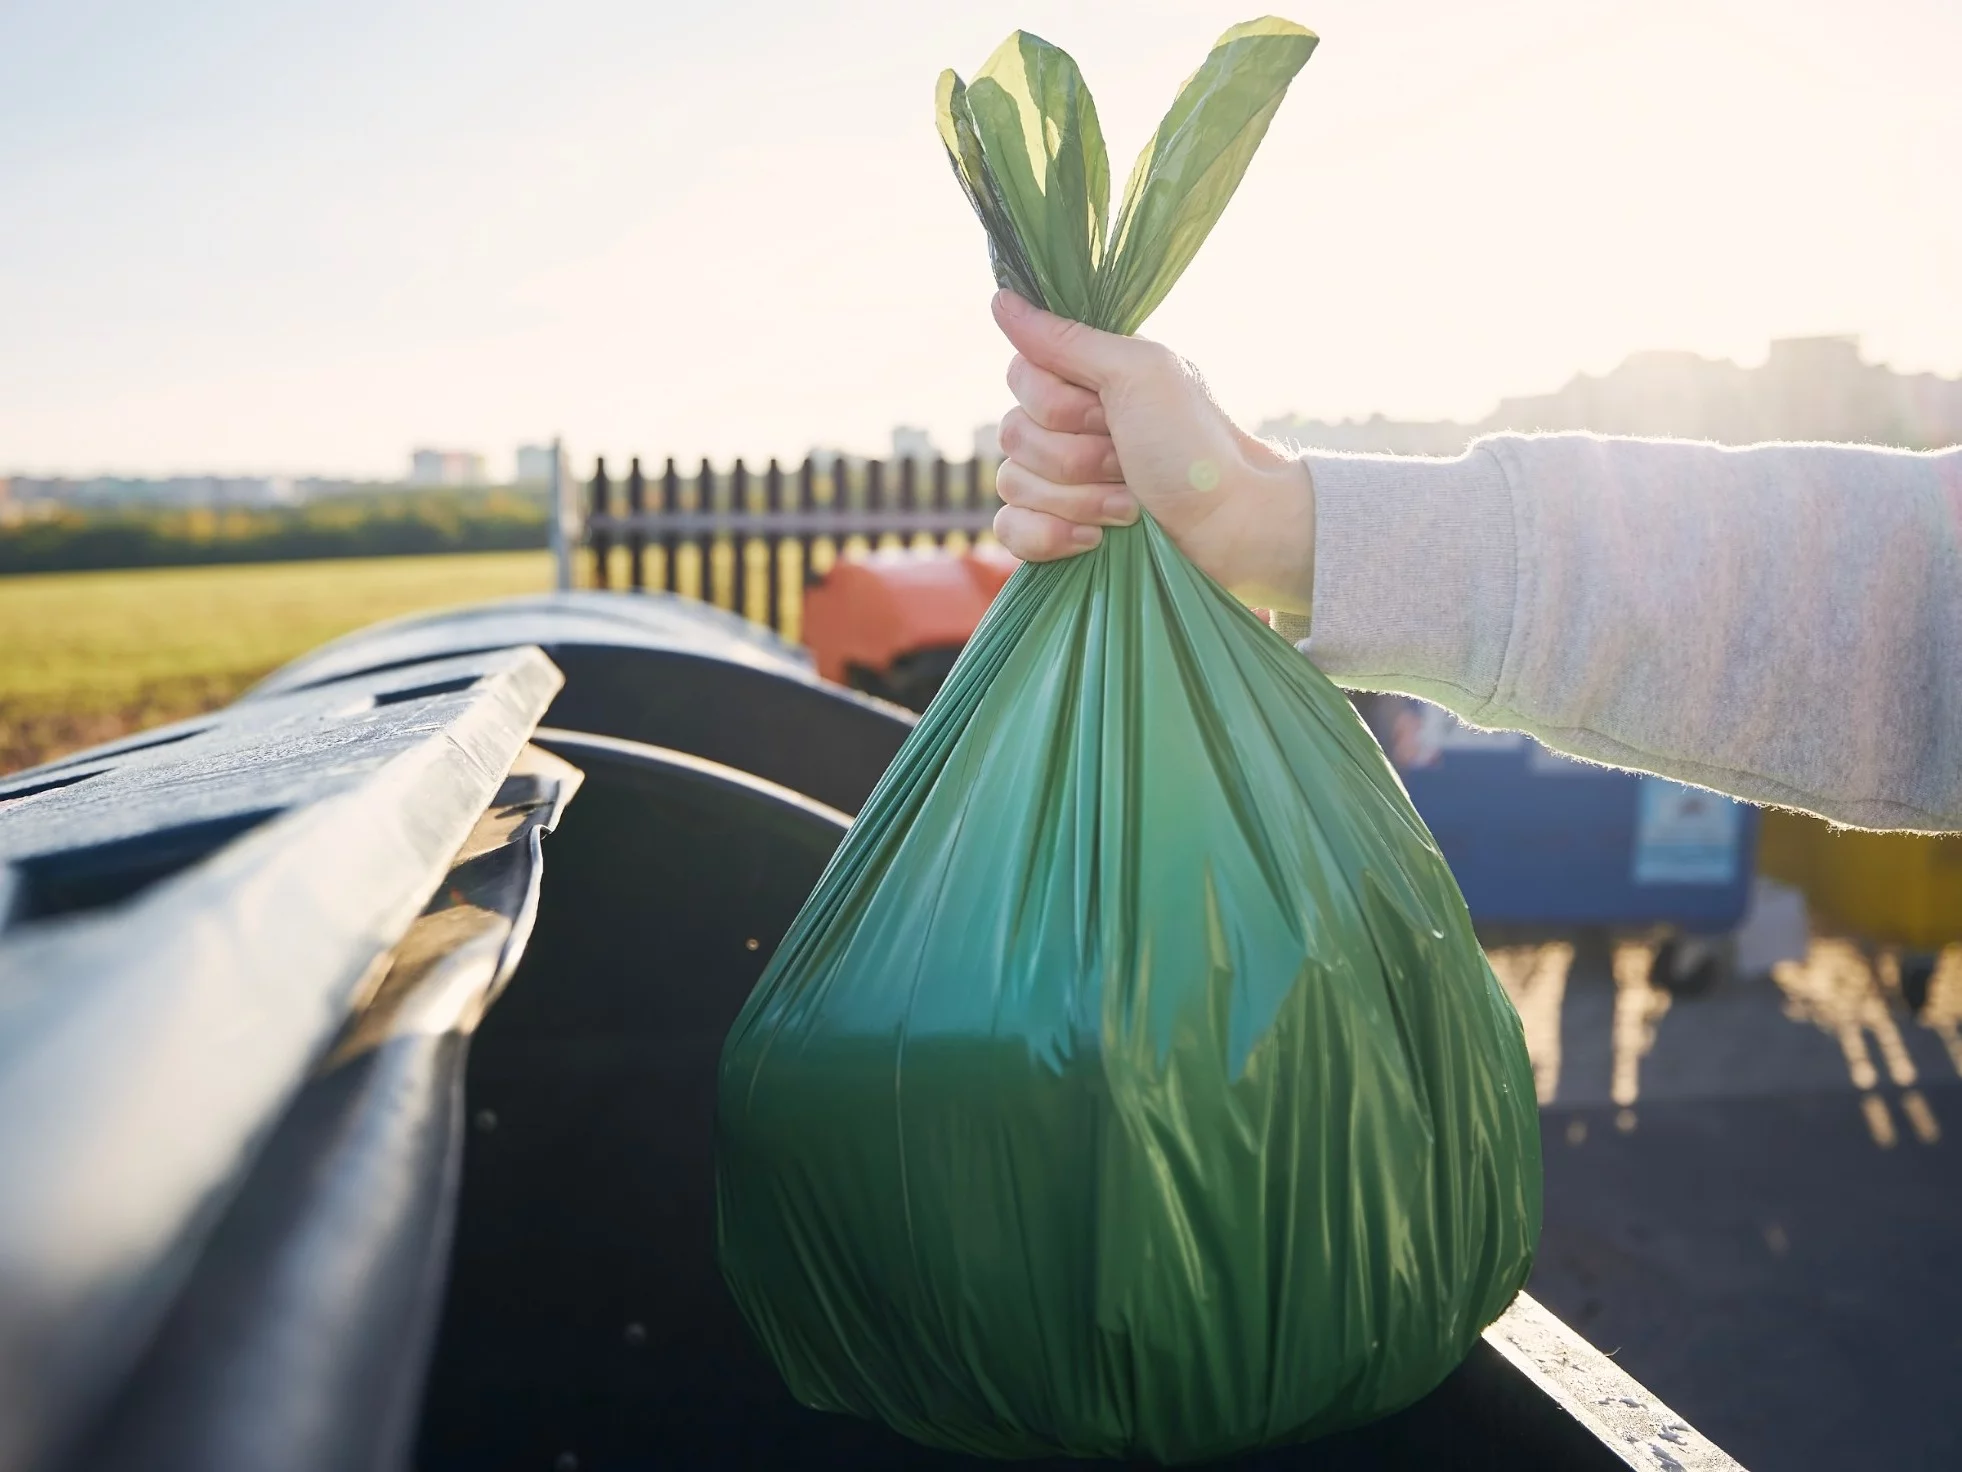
(1535, 838)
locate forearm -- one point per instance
(1783, 623)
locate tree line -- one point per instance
(387, 525)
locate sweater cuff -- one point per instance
(1415, 572)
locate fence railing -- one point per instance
(748, 540)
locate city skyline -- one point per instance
(1808, 388)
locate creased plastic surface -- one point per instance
(1132, 1084)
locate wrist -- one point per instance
(1276, 561)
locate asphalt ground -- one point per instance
(1754, 1197)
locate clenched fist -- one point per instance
(1104, 424)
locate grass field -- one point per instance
(86, 657)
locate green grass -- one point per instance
(89, 656)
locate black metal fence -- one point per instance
(748, 540)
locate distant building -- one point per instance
(909, 443)
(534, 465)
(1809, 388)
(20, 503)
(447, 468)
(987, 441)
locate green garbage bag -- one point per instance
(1132, 1085)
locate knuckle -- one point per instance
(1041, 402)
(1030, 535)
(1014, 484)
(1010, 435)
(1009, 531)
(1026, 381)
(1087, 460)
(1158, 359)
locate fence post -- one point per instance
(773, 548)
(564, 518)
(738, 542)
(636, 537)
(601, 539)
(807, 499)
(878, 499)
(670, 503)
(841, 501)
(938, 499)
(909, 494)
(704, 543)
(975, 499)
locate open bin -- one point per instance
(668, 671)
(1536, 839)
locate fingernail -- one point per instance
(1009, 304)
(1120, 506)
(1086, 536)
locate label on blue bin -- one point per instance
(1684, 835)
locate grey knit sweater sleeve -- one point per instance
(1782, 623)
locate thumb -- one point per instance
(1070, 350)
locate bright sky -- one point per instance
(258, 235)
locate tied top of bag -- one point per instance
(1025, 143)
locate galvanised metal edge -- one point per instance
(1621, 1413)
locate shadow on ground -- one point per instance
(1753, 1202)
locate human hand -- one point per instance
(1105, 424)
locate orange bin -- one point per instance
(892, 623)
